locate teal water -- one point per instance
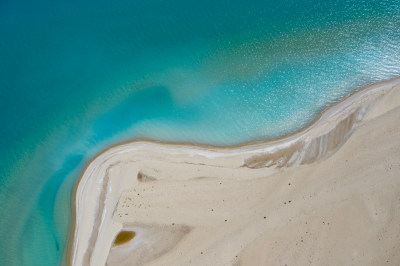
(77, 77)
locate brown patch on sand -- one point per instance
(145, 178)
(124, 237)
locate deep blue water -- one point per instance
(76, 77)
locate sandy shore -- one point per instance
(328, 194)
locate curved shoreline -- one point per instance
(316, 128)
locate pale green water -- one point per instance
(76, 77)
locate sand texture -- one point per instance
(326, 195)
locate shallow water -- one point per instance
(77, 77)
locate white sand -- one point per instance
(304, 199)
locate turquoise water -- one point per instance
(77, 77)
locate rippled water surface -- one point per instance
(77, 77)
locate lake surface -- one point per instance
(77, 77)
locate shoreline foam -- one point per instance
(269, 153)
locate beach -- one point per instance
(328, 194)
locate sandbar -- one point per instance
(327, 194)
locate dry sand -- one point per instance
(326, 195)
